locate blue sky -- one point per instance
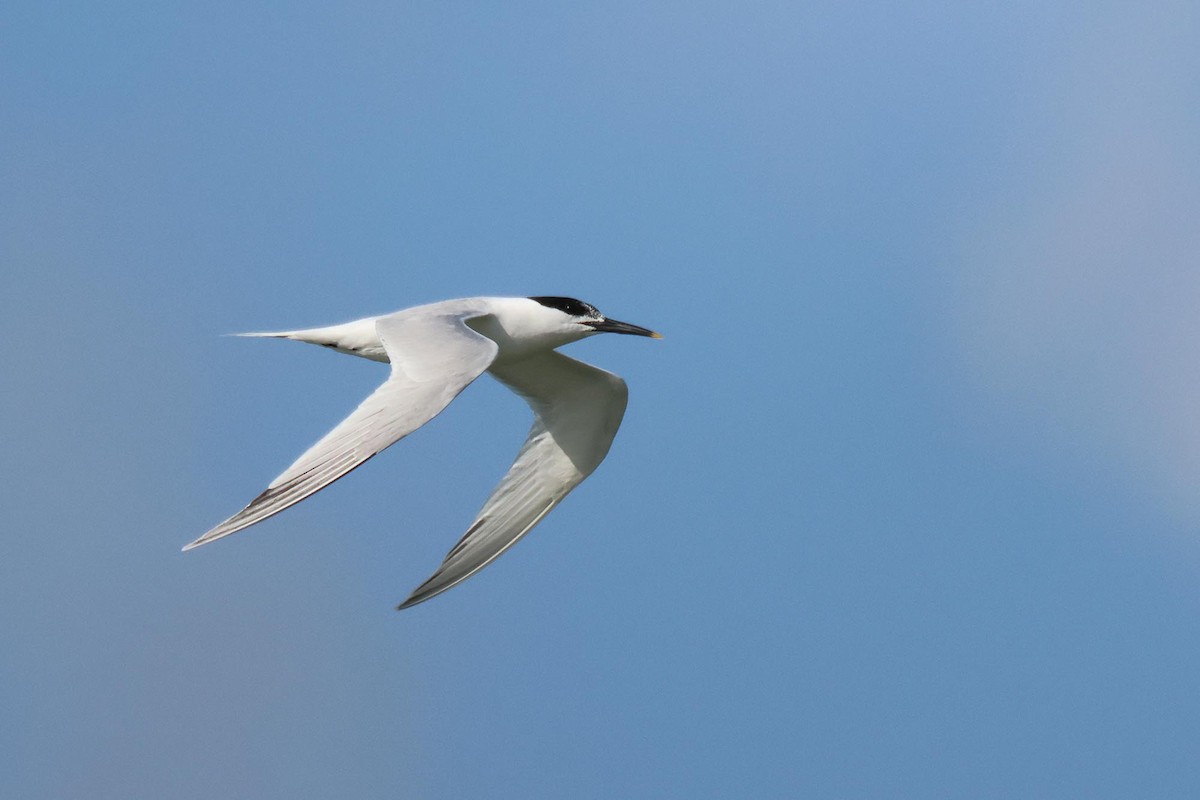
(905, 504)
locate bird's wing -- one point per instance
(577, 410)
(433, 357)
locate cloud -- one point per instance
(1081, 298)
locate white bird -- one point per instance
(436, 350)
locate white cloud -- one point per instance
(1078, 290)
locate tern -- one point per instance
(435, 351)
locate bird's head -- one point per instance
(579, 319)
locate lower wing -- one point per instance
(577, 409)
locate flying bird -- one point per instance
(435, 350)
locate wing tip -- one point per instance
(192, 545)
(219, 532)
(418, 597)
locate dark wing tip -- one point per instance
(413, 599)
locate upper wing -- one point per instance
(433, 356)
(577, 409)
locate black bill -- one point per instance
(613, 326)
